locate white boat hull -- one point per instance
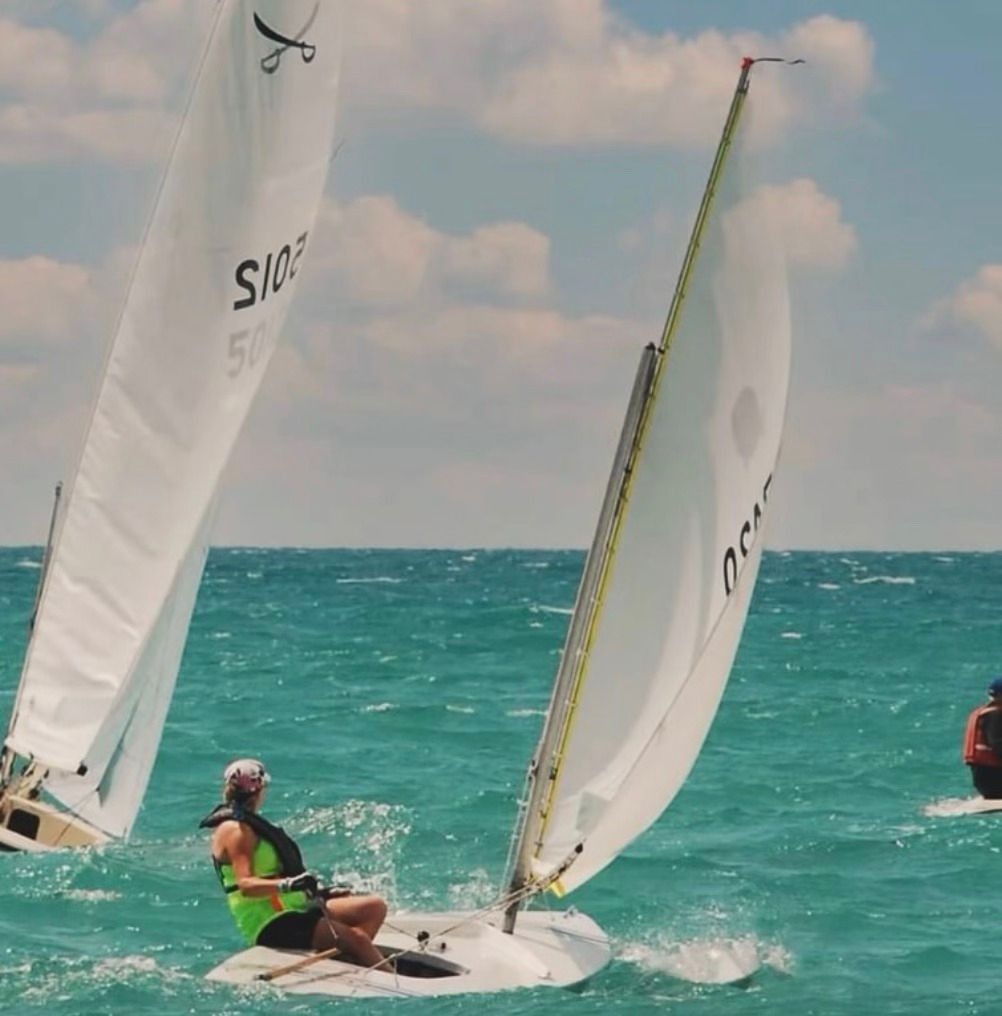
(33, 826)
(547, 949)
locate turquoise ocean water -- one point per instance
(396, 695)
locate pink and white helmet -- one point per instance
(246, 775)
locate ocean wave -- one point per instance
(953, 807)
(92, 895)
(460, 709)
(715, 960)
(75, 976)
(380, 707)
(519, 713)
(544, 608)
(392, 580)
(477, 890)
(890, 580)
(26, 563)
(372, 826)
(791, 635)
(828, 585)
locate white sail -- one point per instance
(680, 560)
(216, 272)
(108, 796)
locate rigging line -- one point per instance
(692, 251)
(531, 888)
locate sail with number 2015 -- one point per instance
(214, 278)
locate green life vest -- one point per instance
(253, 913)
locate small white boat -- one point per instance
(444, 954)
(657, 621)
(214, 279)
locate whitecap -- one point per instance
(360, 582)
(709, 960)
(379, 707)
(536, 564)
(545, 609)
(828, 585)
(520, 713)
(125, 965)
(92, 895)
(460, 709)
(791, 635)
(477, 891)
(33, 565)
(951, 807)
(890, 580)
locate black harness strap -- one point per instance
(290, 859)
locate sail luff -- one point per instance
(588, 610)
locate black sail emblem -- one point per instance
(269, 64)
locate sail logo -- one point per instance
(271, 62)
(748, 527)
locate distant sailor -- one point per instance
(983, 743)
(273, 899)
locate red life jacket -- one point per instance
(976, 751)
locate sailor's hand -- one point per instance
(305, 883)
(334, 892)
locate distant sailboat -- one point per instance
(205, 306)
(656, 625)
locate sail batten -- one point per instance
(668, 578)
(213, 281)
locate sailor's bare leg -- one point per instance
(364, 912)
(353, 941)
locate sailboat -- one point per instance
(655, 628)
(214, 279)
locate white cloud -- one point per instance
(510, 256)
(976, 303)
(810, 223)
(571, 73)
(111, 98)
(380, 255)
(554, 72)
(43, 300)
(905, 465)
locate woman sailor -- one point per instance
(273, 899)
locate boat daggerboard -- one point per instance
(670, 574)
(217, 270)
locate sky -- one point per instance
(498, 241)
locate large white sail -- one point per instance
(216, 272)
(675, 560)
